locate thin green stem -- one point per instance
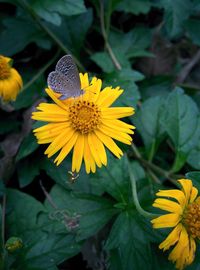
(42, 70)
(37, 19)
(3, 220)
(148, 165)
(3, 228)
(135, 197)
(104, 34)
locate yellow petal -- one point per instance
(100, 149)
(84, 80)
(194, 194)
(109, 143)
(120, 136)
(172, 238)
(118, 126)
(88, 158)
(108, 96)
(78, 153)
(168, 205)
(187, 188)
(173, 193)
(93, 149)
(47, 117)
(164, 221)
(118, 112)
(51, 129)
(180, 252)
(59, 141)
(192, 250)
(66, 149)
(54, 97)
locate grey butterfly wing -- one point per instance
(67, 67)
(61, 84)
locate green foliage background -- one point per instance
(94, 221)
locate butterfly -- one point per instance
(65, 79)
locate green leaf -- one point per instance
(27, 169)
(28, 146)
(23, 212)
(194, 158)
(180, 121)
(114, 179)
(60, 174)
(176, 13)
(137, 39)
(13, 39)
(29, 95)
(135, 6)
(42, 249)
(156, 86)
(103, 60)
(124, 46)
(129, 238)
(125, 79)
(195, 177)
(93, 211)
(148, 123)
(192, 27)
(51, 10)
(74, 31)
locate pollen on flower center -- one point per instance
(192, 219)
(85, 116)
(4, 68)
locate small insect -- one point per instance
(65, 79)
(73, 177)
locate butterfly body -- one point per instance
(65, 79)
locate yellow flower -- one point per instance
(10, 80)
(84, 123)
(184, 216)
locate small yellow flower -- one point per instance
(184, 216)
(10, 80)
(84, 124)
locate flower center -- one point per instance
(84, 116)
(192, 219)
(4, 68)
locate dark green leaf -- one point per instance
(195, 177)
(181, 122)
(51, 10)
(13, 39)
(176, 13)
(129, 238)
(93, 211)
(27, 169)
(134, 6)
(28, 146)
(74, 31)
(41, 249)
(192, 27)
(125, 79)
(148, 123)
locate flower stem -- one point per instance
(135, 197)
(104, 33)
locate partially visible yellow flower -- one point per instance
(10, 80)
(184, 216)
(85, 124)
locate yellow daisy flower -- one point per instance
(85, 123)
(184, 216)
(10, 80)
